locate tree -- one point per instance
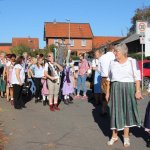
(140, 14)
(19, 50)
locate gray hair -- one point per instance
(122, 48)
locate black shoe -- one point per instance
(66, 102)
(36, 100)
(70, 101)
(148, 143)
(44, 102)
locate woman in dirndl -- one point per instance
(123, 91)
(147, 119)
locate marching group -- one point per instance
(116, 85)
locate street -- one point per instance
(78, 126)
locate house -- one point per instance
(80, 35)
(32, 43)
(5, 47)
(102, 41)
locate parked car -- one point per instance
(146, 71)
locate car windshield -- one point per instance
(146, 65)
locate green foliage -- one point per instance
(74, 57)
(138, 56)
(49, 48)
(140, 14)
(19, 50)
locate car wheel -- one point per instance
(146, 81)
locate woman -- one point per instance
(2, 74)
(97, 77)
(82, 75)
(18, 77)
(147, 119)
(123, 91)
(52, 73)
(37, 73)
(9, 77)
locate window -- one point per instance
(71, 42)
(56, 42)
(83, 42)
(146, 65)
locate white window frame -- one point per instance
(71, 42)
(83, 42)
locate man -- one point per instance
(103, 67)
(52, 71)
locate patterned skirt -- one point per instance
(123, 106)
(147, 118)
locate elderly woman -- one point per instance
(123, 91)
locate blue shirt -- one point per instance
(38, 71)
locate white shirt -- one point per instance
(126, 72)
(8, 63)
(148, 88)
(104, 62)
(95, 63)
(46, 69)
(22, 74)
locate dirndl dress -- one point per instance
(45, 90)
(123, 106)
(147, 118)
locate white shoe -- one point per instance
(112, 141)
(126, 142)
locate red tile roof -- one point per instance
(103, 40)
(61, 30)
(33, 43)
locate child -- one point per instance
(67, 88)
(147, 119)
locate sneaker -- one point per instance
(44, 102)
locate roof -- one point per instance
(33, 43)
(99, 41)
(131, 38)
(5, 44)
(61, 30)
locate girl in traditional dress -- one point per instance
(147, 119)
(9, 77)
(67, 88)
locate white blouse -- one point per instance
(126, 72)
(22, 74)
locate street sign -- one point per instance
(147, 42)
(142, 40)
(141, 27)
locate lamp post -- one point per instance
(68, 20)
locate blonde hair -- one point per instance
(34, 60)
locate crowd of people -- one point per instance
(116, 85)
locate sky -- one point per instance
(25, 18)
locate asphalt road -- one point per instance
(78, 126)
